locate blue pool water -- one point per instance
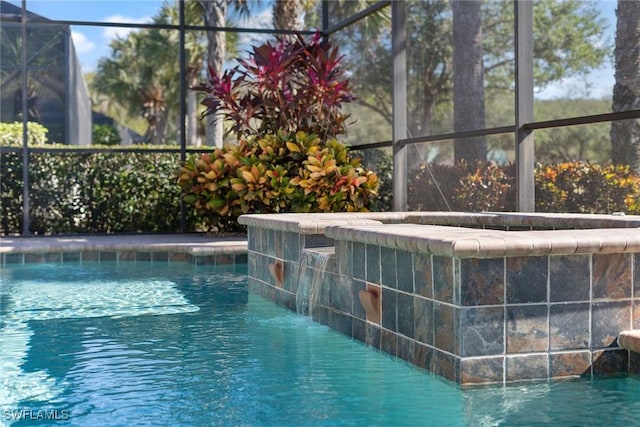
(167, 345)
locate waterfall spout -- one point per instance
(313, 266)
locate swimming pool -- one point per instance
(98, 344)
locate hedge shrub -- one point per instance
(92, 193)
(133, 192)
(577, 187)
(11, 134)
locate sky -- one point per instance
(92, 43)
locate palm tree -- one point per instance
(195, 47)
(132, 79)
(286, 14)
(215, 12)
(625, 134)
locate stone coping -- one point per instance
(316, 223)
(194, 244)
(484, 243)
(524, 219)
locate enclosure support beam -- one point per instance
(525, 150)
(25, 137)
(183, 109)
(325, 17)
(399, 104)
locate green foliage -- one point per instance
(432, 187)
(272, 174)
(284, 104)
(92, 193)
(568, 143)
(105, 135)
(379, 161)
(577, 187)
(587, 188)
(487, 187)
(567, 42)
(11, 134)
(569, 39)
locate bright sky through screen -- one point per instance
(92, 43)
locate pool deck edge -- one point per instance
(194, 244)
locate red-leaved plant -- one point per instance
(290, 86)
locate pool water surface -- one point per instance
(167, 344)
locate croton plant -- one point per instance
(284, 106)
(275, 173)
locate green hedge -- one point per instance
(11, 134)
(138, 192)
(92, 193)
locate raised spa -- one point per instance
(476, 298)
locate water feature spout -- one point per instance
(277, 272)
(313, 266)
(630, 340)
(370, 300)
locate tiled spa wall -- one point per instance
(232, 257)
(268, 247)
(470, 320)
(497, 320)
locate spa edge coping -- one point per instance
(194, 244)
(316, 223)
(559, 233)
(482, 243)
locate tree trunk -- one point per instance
(468, 79)
(192, 106)
(215, 12)
(287, 14)
(156, 117)
(625, 134)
